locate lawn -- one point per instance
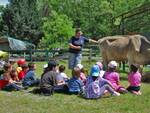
(24, 102)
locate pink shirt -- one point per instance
(113, 77)
(83, 77)
(134, 79)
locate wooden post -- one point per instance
(31, 55)
(122, 28)
(123, 63)
(90, 55)
(46, 53)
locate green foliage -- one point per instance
(22, 20)
(28, 19)
(57, 29)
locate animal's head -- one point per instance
(137, 41)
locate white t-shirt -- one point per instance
(63, 75)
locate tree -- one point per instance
(22, 20)
(57, 29)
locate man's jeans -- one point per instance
(74, 59)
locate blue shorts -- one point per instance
(74, 59)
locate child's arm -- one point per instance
(60, 82)
(118, 79)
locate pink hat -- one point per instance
(100, 65)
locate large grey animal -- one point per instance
(131, 48)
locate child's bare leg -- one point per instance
(122, 90)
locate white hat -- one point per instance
(112, 64)
(80, 66)
(45, 66)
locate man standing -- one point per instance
(75, 48)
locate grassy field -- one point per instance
(24, 102)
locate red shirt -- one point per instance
(21, 74)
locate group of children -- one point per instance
(95, 85)
(18, 78)
(54, 79)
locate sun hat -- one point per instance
(100, 65)
(95, 71)
(80, 66)
(112, 64)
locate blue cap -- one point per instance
(95, 71)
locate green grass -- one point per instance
(23, 102)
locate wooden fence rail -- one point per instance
(89, 52)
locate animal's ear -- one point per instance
(136, 41)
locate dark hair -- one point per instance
(94, 78)
(24, 66)
(77, 30)
(14, 70)
(52, 64)
(75, 71)
(62, 68)
(31, 65)
(7, 66)
(134, 67)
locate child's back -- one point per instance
(113, 77)
(134, 79)
(75, 85)
(62, 72)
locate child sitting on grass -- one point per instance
(75, 85)
(12, 84)
(82, 73)
(30, 77)
(96, 85)
(48, 79)
(134, 79)
(114, 77)
(23, 72)
(62, 77)
(20, 62)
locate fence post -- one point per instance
(46, 53)
(124, 67)
(122, 27)
(90, 55)
(31, 55)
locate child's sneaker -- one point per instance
(116, 94)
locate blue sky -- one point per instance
(3, 2)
